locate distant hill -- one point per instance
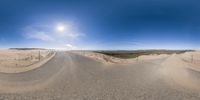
(136, 53)
(27, 49)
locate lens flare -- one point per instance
(60, 28)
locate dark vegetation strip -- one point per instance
(125, 54)
(27, 49)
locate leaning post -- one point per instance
(39, 55)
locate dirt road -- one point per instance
(68, 76)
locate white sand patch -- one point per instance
(177, 72)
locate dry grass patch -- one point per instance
(21, 58)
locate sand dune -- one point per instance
(93, 76)
(178, 72)
(176, 69)
(12, 61)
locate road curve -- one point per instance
(68, 76)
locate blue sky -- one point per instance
(100, 24)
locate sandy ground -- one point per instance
(175, 67)
(76, 76)
(12, 61)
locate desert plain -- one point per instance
(92, 75)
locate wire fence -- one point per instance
(25, 59)
(192, 59)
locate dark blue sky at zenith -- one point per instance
(100, 24)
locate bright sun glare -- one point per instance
(60, 28)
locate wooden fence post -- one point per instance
(39, 55)
(192, 59)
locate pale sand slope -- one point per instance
(177, 69)
(20, 58)
(178, 72)
(14, 61)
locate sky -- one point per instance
(100, 24)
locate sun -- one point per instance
(60, 28)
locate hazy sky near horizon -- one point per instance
(100, 24)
